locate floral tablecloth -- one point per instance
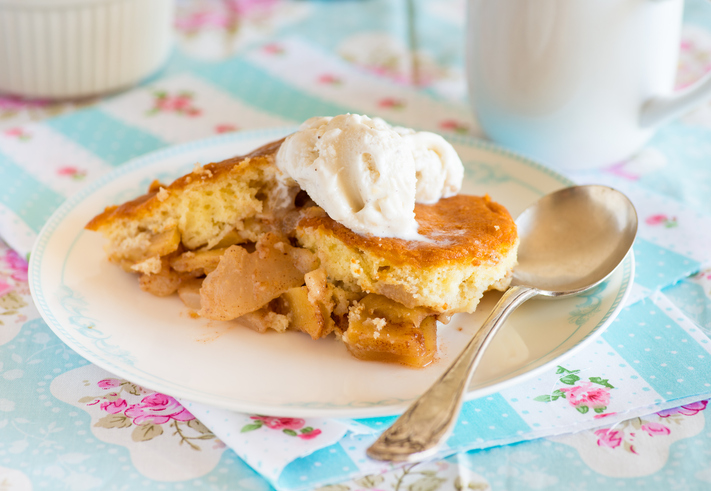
(67, 424)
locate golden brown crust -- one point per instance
(143, 205)
(460, 228)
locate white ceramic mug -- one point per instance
(576, 84)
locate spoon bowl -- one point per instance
(570, 241)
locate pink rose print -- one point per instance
(328, 79)
(15, 261)
(593, 393)
(608, 438)
(286, 425)
(686, 410)
(17, 265)
(455, 126)
(73, 172)
(195, 21)
(310, 435)
(145, 417)
(702, 275)
(586, 394)
(108, 383)
(5, 288)
(280, 423)
(661, 219)
(598, 397)
(391, 103)
(576, 395)
(181, 104)
(622, 436)
(14, 103)
(273, 49)
(656, 219)
(18, 133)
(693, 62)
(247, 7)
(225, 128)
(114, 407)
(226, 15)
(619, 169)
(157, 409)
(654, 429)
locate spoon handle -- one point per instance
(430, 419)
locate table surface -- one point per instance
(47, 441)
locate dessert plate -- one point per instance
(100, 312)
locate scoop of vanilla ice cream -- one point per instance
(368, 175)
(438, 169)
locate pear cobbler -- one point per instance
(348, 226)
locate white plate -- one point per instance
(99, 311)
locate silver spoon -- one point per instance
(570, 241)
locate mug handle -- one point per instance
(661, 109)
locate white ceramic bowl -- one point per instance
(62, 49)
